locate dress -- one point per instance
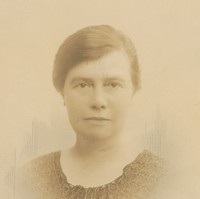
(43, 178)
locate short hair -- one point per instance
(90, 44)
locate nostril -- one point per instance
(103, 107)
(96, 107)
(98, 99)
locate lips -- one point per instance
(97, 119)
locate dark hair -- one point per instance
(89, 44)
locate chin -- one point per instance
(97, 134)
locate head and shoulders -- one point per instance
(96, 71)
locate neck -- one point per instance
(97, 148)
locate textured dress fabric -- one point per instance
(43, 178)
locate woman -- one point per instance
(97, 73)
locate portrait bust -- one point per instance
(96, 71)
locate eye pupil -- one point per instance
(113, 84)
(82, 85)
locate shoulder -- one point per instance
(40, 166)
(42, 162)
(148, 172)
(149, 161)
(37, 174)
(155, 167)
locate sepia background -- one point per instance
(165, 112)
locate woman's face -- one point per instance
(98, 94)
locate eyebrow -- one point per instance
(90, 80)
(78, 79)
(115, 78)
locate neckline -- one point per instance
(115, 181)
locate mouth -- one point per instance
(97, 119)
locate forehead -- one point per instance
(115, 64)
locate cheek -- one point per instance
(120, 107)
(75, 106)
(71, 101)
(74, 115)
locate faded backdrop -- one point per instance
(166, 33)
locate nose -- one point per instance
(98, 99)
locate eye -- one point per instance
(114, 84)
(82, 85)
